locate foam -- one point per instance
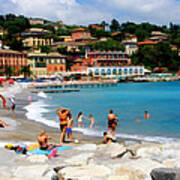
(157, 139)
(35, 112)
(42, 94)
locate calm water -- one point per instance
(129, 101)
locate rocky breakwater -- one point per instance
(92, 162)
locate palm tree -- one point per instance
(25, 70)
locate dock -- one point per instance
(56, 90)
(74, 84)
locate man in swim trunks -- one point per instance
(43, 141)
(63, 117)
(112, 123)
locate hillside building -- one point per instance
(14, 59)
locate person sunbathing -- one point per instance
(108, 138)
(43, 141)
(3, 124)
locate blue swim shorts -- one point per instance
(69, 130)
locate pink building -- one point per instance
(81, 33)
(15, 59)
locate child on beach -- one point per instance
(69, 126)
(80, 116)
(91, 118)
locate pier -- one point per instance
(56, 90)
(74, 84)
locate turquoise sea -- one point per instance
(128, 100)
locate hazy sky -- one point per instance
(93, 11)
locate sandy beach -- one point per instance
(87, 160)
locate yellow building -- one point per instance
(37, 62)
(36, 37)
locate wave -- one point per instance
(35, 112)
(42, 94)
(156, 139)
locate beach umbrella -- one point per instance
(2, 79)
(11, 81)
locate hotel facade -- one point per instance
(14, 59)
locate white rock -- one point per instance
(130, 174)
(173, 145)
(172, 163)
(148, 151)
(112, 149)
(81, 159)
(31, 172)
(125, 177)
(87, 147)
(37, 158)
(142, 165)
(85, 172)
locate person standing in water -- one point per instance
(91, 118)
(13, 105)
(146, 115)
(112, 123)
(63, 118)
(80, 117)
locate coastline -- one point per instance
(87, 160)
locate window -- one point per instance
(141, 71)
(130, 71)
(119, 71)
(125, 71)
(109, 71)
(103, 72)
(97, 72)
(114, 71)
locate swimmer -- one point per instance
(138, 120)
(146, 115)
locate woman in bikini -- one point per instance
(80, 117)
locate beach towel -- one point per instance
(44, 152)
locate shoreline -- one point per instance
(87, 160)
(22, 123)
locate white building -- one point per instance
(124, 71)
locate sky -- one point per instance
(95, 11)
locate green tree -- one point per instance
(8, 71)
(108, 45)
(62, 50)
(46, 49)
(114, 25)
(26, 71)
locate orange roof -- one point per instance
(115, 33)
(148, 42)
(79, 29)
(178, 73)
